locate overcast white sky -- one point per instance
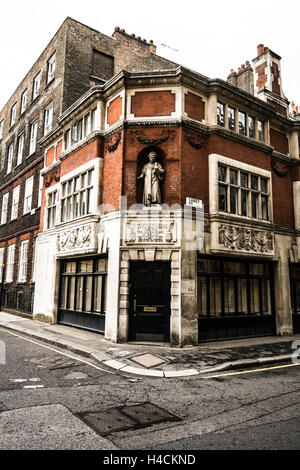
(211, 36)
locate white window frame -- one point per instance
(214, 161)
(1, 263)
(21, 140)
(48, 118)
(33, 265)
(23, 101)
(10, 157)
(51, 208)
(41, 184)
(10, 263)
(28, 195)
(4, 212)
(36, 86)
(51, 68)
(13, 114)
(15, 203)
(1, 128)
(23, 261)
(33, 136)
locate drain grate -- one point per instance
(127, 417)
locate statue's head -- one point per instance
(152, 156)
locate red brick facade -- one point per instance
(152, 103)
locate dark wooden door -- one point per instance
(150, 301)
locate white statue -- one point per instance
(152, 173)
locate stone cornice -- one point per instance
(252, 224)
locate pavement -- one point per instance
(157, 359)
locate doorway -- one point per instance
(150, 284)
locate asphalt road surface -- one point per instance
(49, 400)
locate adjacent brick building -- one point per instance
(167, 271)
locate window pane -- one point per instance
(86, 266)
(208, 266)
(244, 202)
(233, 177)
(97, 294)
(254, 205)
(215, 297)
(202, 296)
(71, 295)
(222, 198)
(70, 267)
(220, 114)
(229, 296)
(234, 267)
(259, 269)
(254, 296)
(64, 292)
(260, 126)
(264, 185)
(242, 123)
(231, 119)
(88, 294)
(242, 296)
(101, 264)
(254, 182)
(266, 303)
(264, 208)
(233, 200)
(222, 173)
(79, 293)
(251, 122)
(244, 180)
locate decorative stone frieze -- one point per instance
(245, 239)
(76, 240)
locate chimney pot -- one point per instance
(117, 28)
(260, 49)
(133, 35)
(243, 66)
(232, 71)
(247, 63)
(122, 30)
(239, 69)
(151, 41)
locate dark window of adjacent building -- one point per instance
(220, 114)
(83, 285)
(231, 118)
(242, 123)
(102, 65)
(230, 288)
(51, 209)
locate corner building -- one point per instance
(146, 273)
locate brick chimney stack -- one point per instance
(135, 41)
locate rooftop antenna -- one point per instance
(172, 49)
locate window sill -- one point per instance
(242, 217)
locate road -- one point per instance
(49, 400)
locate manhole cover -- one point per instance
(127, 417)
(148, 360)
(147, 414)
(108, 421)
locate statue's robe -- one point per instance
(152, 176)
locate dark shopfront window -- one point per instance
(230, 288)
(295, 287)
(83, 285)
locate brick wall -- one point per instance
(152, 103)
(194, 106)
(114, 111)
(279, 141)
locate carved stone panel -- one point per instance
(246, 239)
(75, 239)
(150, 232)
